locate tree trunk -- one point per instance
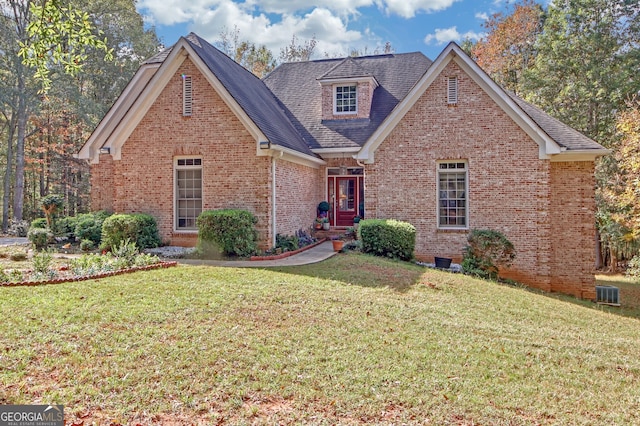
(18, 188)
(7, 175)
(599, 260)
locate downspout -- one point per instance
(273, 199)
(364, 184)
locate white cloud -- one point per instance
(445, 35)
(483, 16)
(409, 8)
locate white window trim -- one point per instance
(452, 90)
(187, 96)
(466, 191)
(335, 100)
(176, 167)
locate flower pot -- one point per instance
(337, 245)
(318, 226)
(443, 262)
(326, 226)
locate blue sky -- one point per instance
(339, 26)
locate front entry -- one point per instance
(346, 194)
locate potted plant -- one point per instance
(338, 243)
(323, 208)
(317, 224)
(325, 223)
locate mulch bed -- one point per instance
(90, 277)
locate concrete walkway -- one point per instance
(13, 241)
(316, 254)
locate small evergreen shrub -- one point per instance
(89, 226)
(39, 237)
(66, 227)
(87, 245)
(51, 205)
(487, 252)
(139, 228)
(388, 238)
(232, 231)
(40, 222)
(18, 255)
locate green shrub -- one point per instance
(139, 228)
(125, 253)
(42, 262)
(89, 226)
(233, 231)
(40, 223)
(287, 242)
(51, 205)
(388, 237)
(39, 237)
(87, 245)
(487, 252)
(4, 277)
(66, 227)
(18, 255)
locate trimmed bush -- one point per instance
(89, 226)
(40, 223)
(232, 231)
(388, 238)
(18, 228)
(287, 242)
(66, 227)
(487, 252)
(39, 237)
(139, 228)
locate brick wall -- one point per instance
(573, 228)
(298, 192)
(233, 176)
(102, 184)
(510, 188)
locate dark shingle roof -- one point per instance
(296, 86)
(564, 135)
(252, 95)
(347, 68)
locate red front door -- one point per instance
(346, 200)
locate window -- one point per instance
(187, 96)
(452, 195)
(452, 90)
(188, 182)
(346, 100)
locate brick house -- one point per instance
(435, 143)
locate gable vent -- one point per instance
(452, 90)
(187, 96)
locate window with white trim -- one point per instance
(188, 192)
(452, 90)
(187, 96)
(346, 99)
(452, 194)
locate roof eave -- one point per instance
(571, 155)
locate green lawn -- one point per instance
(353, 340)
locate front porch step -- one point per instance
(332, 232)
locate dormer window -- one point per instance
(346, 99)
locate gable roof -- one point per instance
(297, 86)
(248, 96)
(556, 140)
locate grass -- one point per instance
(352, 340)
